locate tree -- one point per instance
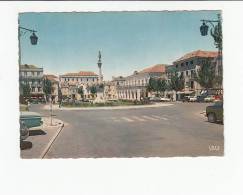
(47, 88)
(162, 85)
(152, 85)
(93, 90)
(176, 82)
(206, 75)
(81, 91)
(26, 90)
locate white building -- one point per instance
(70, 82)
(135, 85)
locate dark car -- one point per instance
(31, 119)
(214, 112)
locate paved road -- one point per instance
(177, 130)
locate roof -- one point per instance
(28, 66)
(81, 73)
(51, 77)
(158, 68)
(199, 53)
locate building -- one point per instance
(54, 85)
(134, 87)
(188, 66)
(33, 76)
(70, 82)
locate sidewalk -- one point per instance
(36, 145)
(156, 105)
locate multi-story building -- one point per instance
(70, 83)
(32, 76)
(188, 66)
(54, 85)
(134, 87)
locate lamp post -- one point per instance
(216, 33)
(33, 38)
(33, 41)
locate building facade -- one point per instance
(188, 66)
(71, 82)
(135, 86)
(33, 76)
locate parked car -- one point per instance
(200, 98)
(214, 112)
(31, 119)
(155, 99)
(185, 99)
(24, 131)
(192, 98)
(209, 98)
(165, 99)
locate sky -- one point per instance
(128, 41)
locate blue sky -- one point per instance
(69, 42)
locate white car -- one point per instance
(165, 99)
(192, 98)
(209, 98)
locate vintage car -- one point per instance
(165, 99)
(30, 119)
(214, 112)
(209, 98)
(192, 98)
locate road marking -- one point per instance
(150, 118)
(47, 148)
(115, 119)
(139, 119)
(127, 119)
(160, 117)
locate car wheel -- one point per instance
(211, 118)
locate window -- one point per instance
(186, 73)
(87, 79)
(76, 79)
(187, 63)
(176, 65)
(72, 79)
(182, 73)
(38, 73)
(191, 62)
(32, 73)
(182, 64)
(93, 79)
(68, 79)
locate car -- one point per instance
(155, 99)
(192, 98)
(165, 99)
(31, 119)
(200, 98)
(24, 131)
(209, 98)
(185, 99)
(214, 112)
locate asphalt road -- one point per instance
(177, 130)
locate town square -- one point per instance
(89, 88)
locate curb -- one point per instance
(47, 148)
(115, 107)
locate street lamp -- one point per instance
(33, 38)
(216, 33)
